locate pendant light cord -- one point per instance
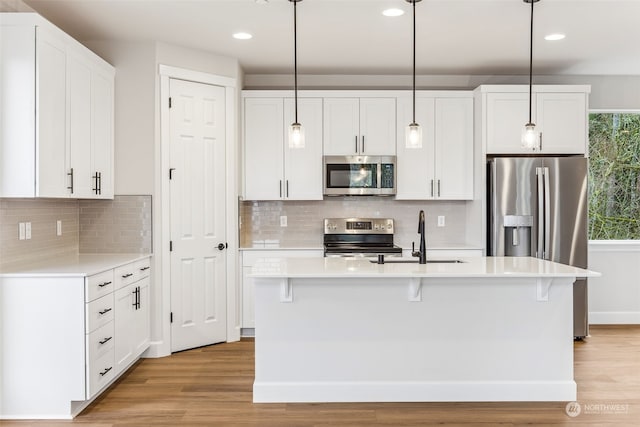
(531, 62)
(295, 56)
(414, 61)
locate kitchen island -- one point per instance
(349, 330)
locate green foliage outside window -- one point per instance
(614, 176)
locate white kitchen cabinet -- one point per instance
(249, 258)
(273, 170)
(71, 319)
(359, 126)
(67, 146)
(559, 112)
(443, 168)
(132, 313)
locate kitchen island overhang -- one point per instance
(347, 330)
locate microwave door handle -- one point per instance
(356, 144)
(362, 144)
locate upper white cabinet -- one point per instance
(66, 148)
(443, 168)
(273, 170)
(359, 126)
(559, 112)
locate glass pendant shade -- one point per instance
(296, 136)
(530, 137)
(413, 136)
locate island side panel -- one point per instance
(357, 339)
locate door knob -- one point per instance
(222, 246)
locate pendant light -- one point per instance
(296, 131)
(530, 136)
(413, 133)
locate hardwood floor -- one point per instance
(211, 386)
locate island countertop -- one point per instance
(358, 267)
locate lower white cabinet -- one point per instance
(132, 325)
(63, 334)
(249, 258)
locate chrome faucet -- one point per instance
(422, 253)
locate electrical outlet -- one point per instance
(58, 228)
(283, 221)
(27, 230)
(440, 220)
(21, 231)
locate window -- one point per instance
(614, 176)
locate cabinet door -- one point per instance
(263, 140)
(506, 115)
(79, 108)
(303, 166)
(124, 319)
(454, 148)
(378, 126)
(51, 117)
(341, 126)
(562, 119)
(102, 135)
(141, 327)
(415, 167)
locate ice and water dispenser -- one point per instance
(517, 235)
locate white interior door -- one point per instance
(197, 192)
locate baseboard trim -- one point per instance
(614, 318)
(419, 391)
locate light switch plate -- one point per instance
(21, 231)
(440, 220)
(27, 229)
(283, 221)
(58, 228)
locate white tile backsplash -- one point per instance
(261, 220)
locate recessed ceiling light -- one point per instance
(393, 12)
(242, 36)
(554, 37)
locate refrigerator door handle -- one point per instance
(540, 213)
(547, 215)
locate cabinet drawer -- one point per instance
(98, 285)
(100, 342)
(126, 274)
(143, 267)
(99, 373)
(99, 312)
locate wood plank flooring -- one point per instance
(211, 386)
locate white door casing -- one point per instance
(197, 214)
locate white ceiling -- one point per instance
(352, 37)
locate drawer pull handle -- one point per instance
(145, 268)
(106, 340)
(105, 311)
(102, 285)
(124, 276)
(106, 371)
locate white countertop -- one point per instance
(70, 266)
(317, 267)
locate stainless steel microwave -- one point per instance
(359, 175)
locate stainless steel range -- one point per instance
(359, 237)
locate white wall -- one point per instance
(614, 298)
(135, 100)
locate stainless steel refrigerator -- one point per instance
(537, 206)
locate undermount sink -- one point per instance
(415, 261)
